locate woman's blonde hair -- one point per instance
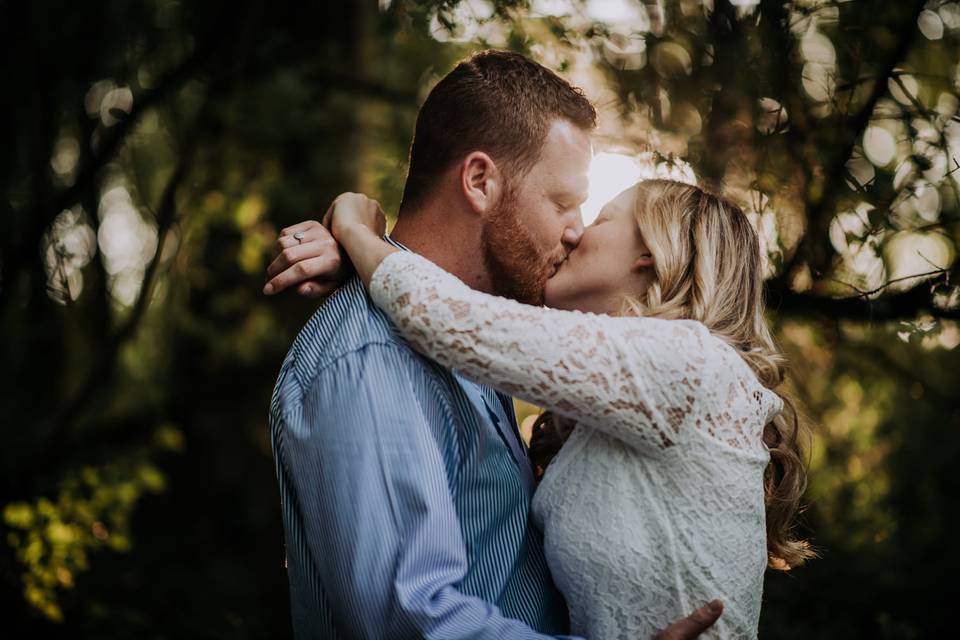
(708, 267)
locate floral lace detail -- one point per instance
(647, 381)
(655, 505)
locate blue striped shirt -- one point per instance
(405, 491)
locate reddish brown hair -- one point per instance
(498, 102)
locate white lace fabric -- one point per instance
(654, 505)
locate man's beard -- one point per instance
(518, 268)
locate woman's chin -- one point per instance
(558, 294)
(555, 294)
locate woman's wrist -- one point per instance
(353, 233)
(366, 248)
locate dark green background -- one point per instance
(138, 492)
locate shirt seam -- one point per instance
(308, 383)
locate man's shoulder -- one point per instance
(347, 344)
(346, 325)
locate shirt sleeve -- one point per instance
(638, 379)
(378, 520)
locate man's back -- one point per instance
(405, 491)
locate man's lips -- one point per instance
(555, 267)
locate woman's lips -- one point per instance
(557, 266)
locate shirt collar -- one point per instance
(390, 240)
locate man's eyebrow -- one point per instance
(571, 197)
(572, 193)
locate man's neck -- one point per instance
(450, 241)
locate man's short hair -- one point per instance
(498, 102)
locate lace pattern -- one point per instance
(647, 381)
(655, 505)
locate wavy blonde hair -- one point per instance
(708, 267)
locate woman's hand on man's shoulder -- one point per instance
(307, 257)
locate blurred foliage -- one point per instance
(93, 510)
(155, 148)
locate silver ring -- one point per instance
(299, 235)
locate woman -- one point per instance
(680, 480)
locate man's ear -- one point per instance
(645, 261)
(480, 181)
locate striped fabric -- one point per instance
(405, 491)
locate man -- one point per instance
(405, 487)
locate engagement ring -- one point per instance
(299, 236)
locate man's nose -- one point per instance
(572, 234)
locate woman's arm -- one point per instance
(638, 379)
(358, 224)
(646, 381)
(307, 255)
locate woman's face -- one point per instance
(610, 263)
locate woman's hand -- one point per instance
(314, 257)
(354, 210)
(306, 256)
(358, 224)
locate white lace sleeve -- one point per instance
(638, 379)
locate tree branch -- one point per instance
(107, 357)
(864, 294)
(819, 216)
(904, 305)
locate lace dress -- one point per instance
(654, 506)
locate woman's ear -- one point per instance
(645, 261)
(480, 181)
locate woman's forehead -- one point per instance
(623, 202)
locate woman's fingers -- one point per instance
(325, 267)
(302, 251)
(310, 230)
(312, 262)
(355, 208)
(314, 289)
(304, 226)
